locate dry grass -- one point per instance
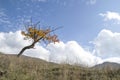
(24, 68)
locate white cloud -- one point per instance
(106, 49)
(72, 53)
(12, 43)
(110, 16)
(107, 44)
(113, 59)
(3, 17)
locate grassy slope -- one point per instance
(25, 68)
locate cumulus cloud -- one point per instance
(106, 49)
(12, 43)
(107, 44)
(110, 16)
(72, 53)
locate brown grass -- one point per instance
(25, 68)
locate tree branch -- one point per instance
(28, 47)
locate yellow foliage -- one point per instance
(35, 34)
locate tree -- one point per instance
(38, 35)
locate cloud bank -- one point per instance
(72, 53)
(106, 48)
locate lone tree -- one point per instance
(37, 35)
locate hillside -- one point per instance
(107, 65)
(26, 68)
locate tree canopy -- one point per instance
(38, 35)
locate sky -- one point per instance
(90, 33)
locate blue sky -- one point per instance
(80, 18)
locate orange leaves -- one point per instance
(52, 38)
(36, 34)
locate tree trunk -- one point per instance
(28, 47)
